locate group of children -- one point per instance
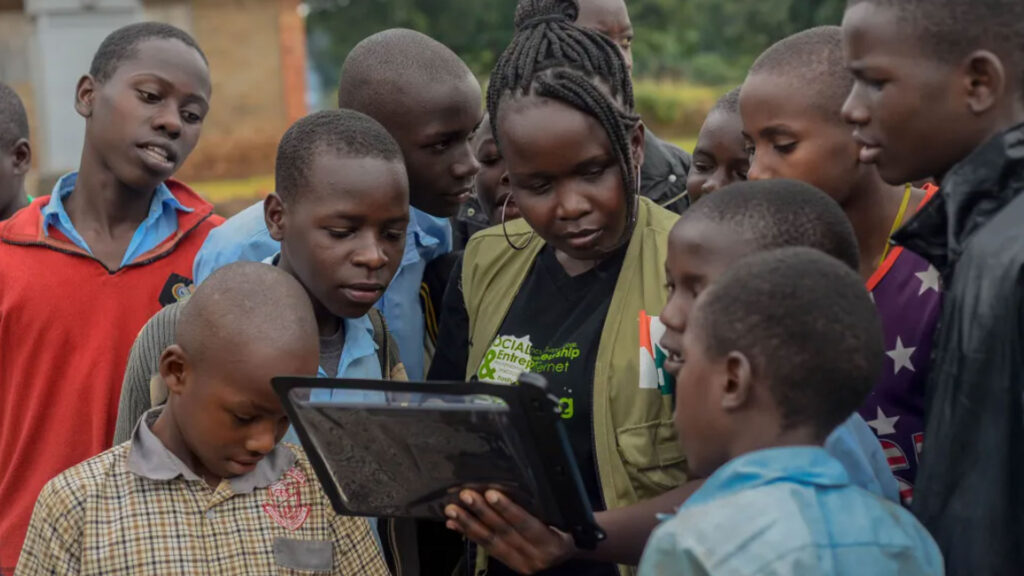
(746, 388)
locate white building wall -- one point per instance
(67, 34)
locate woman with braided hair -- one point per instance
(562, 291)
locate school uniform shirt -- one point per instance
(67, 324)
(244, 237)
(786, 511)
(138, 509)
(349, 353)
(906, 291)
(160, 223)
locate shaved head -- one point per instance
(812, 61)
(779, 214)
(248, 323)
(395, 66)
(243, 306)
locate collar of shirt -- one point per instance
(149, 458)
(160, 223)
(431, 236)
(427, 237)
(359, 344)
(809, 465)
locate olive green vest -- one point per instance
(637, 451)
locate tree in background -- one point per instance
(693, 42)
(477, 30)
(724, 37)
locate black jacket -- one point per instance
(970, 488)
(470, 220)
(663, 175)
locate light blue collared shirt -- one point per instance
(786, 511)
(244, 237)
(427, 238)
(160, 224)
(856, 447)
(358, 360)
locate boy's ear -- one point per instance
(273, 214)
(85, 93)
(174, 369)
(739, 381)
(636, 143)
(22, 155)
(985, 79)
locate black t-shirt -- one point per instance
(553, 328)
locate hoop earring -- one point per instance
(504, 229)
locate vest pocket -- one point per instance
(653, 456)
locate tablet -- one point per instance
(405, 449)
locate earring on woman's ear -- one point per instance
(504, 229)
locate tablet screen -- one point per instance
(408, 454)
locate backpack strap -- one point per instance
(387, 349)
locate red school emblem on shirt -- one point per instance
(284, 501)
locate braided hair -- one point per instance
(551, 57)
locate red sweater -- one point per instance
(67, 325)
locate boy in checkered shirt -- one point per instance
(205, 486)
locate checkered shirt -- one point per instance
(136, 509)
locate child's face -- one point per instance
(492, 188)
(611, 18)
(699, 416)
(344, 237)
(434, 130)
(699, 252)
(790, 137)
(720, 157)
(144, 121)
(227, 411)
(565, 175)
(909, 109)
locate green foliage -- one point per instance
(726, 36)
(706, 42)
(673, 107)
(477, 30)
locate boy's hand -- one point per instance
(509, 533)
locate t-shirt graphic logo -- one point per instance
(653, 356)
(176, 289)
(506, 359)
(284, 501)
(565, 408)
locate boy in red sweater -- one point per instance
(83, 269)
